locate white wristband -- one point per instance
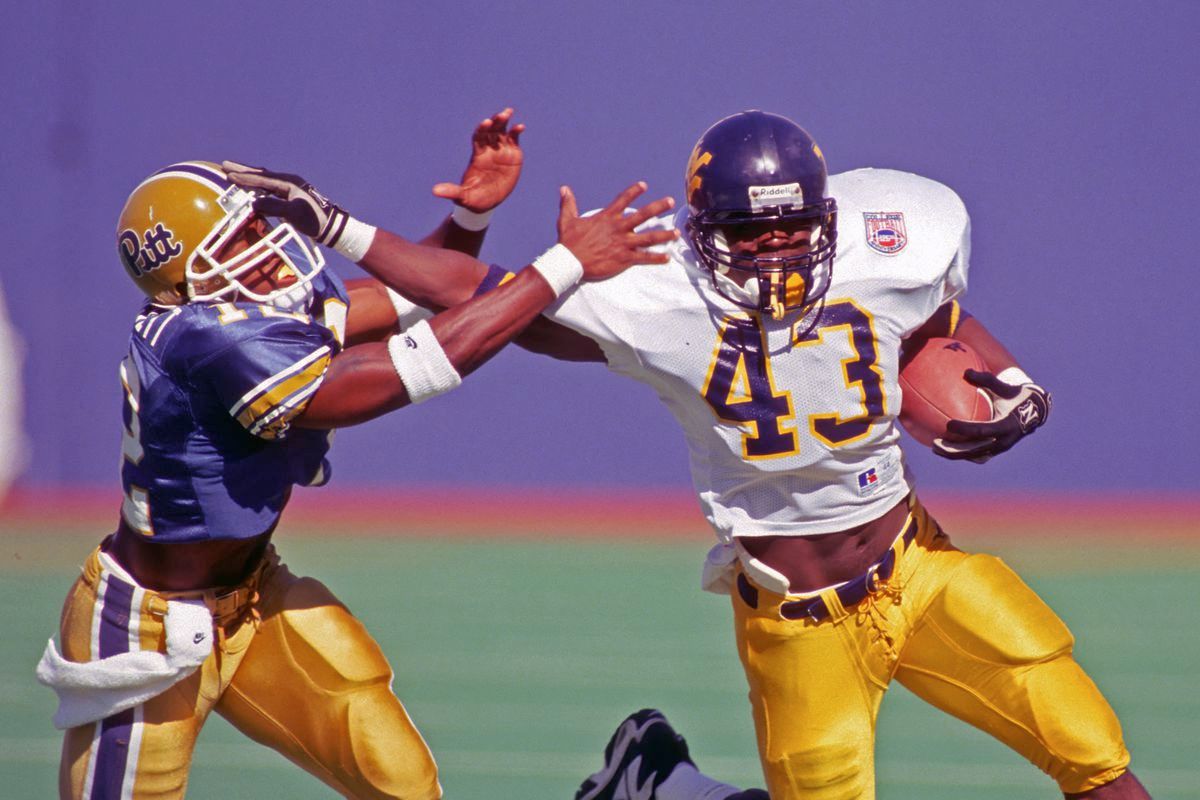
(470, 220)
(355, 240)
(1014, 376)
(422, 364)
(559, 267)
(408, 313)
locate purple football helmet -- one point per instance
(758, 167)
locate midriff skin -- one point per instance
(814, 562)
(809, 562)
(186, 566)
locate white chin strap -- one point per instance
(747, 294)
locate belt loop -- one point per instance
(833, 603)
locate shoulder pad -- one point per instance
(205, 330)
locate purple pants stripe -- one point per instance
(112, 755)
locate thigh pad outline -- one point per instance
(987, 611)
(313, 627)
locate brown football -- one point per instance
(935, 391)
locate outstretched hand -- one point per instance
(494, 168)
(607, 243)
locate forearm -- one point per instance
(429, 276)
(970, 331)
(371, 316)
(473, 332)
(365, 381)
(954, 322)
(450, 235)
(549, 338)
(361, 384)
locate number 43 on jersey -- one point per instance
(741, 388)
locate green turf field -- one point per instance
(517, 658)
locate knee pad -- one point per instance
(830, 771)
(989, 612)
(390, 758)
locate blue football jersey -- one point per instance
(208, 450)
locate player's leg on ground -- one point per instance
(989, 651)
(145, 750)
(316, 687)
(814, 699)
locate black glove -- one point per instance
(1017, 411)
(293, 199)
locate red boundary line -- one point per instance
(666, 512)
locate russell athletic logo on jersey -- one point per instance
(872, 478)
(885, 231)
(150, 251)
(867, 480)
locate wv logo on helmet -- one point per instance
(148, 252)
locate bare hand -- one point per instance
(495, 165)
(606, 242)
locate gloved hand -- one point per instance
(293, 199)
(1017, 411)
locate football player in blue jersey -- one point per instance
(775, 336)
(246, 355)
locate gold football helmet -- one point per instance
(176, 227)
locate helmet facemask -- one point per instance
(212, 276)
(776, 284)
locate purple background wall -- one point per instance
(1069, 128)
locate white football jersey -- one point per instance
(790, 432)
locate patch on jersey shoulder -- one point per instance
(885, 231)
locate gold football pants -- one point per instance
(291, 668)
(961, 631)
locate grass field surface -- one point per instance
(517, 655)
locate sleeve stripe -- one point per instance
(278, 377)
(496, 276)
(955, 311)
(270, 424)
(281, 394)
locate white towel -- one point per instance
(93, 690)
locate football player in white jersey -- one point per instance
(774, 335)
